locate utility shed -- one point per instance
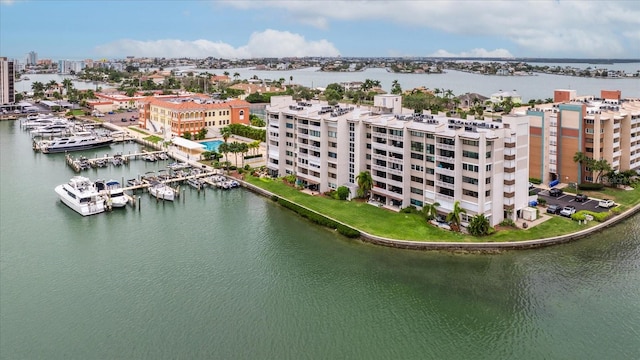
(529, 213)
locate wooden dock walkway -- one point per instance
(76, 163)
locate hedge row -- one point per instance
(590, 186)
(318, 219)
(597, 216)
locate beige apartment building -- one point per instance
(414, 159)
(171, 117)
(605, 127)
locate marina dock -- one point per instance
(84, 163)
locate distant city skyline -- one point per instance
(253, 29)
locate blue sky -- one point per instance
(77, 29)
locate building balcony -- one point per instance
(445, 159)
(394, 171)
(509, 182)
(509, 145)
(394, 137)
(445, 185)
(443, 171)
(445, 146)
(509, 194)
(509, 207)
(302, 136)
(509, 157)
(510, 170)
(378, 156)
(444, 197)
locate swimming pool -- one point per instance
(212, 145)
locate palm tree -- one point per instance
(51, 84)
(396, 88)
(67, 84)
(224, 149)
(580, 158)
(226, 73)
(365, 183)
(479, 225)
(235, 148)
(430, 211)
(236, 76)
(290, 79)
(244, 149)
(454, 216)
(37, 87)
(225, 132)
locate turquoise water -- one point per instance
(212, 145)
(232, 275)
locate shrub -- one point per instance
(535, 181)
(233, 167)
(597, 216)
(507, 222)
(409, 210)
(542, 201)
(247, 167)
(616, 210)
(342, 193)
(290, 179)
(590, 186)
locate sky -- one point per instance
(238, 29)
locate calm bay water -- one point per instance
(540, 86)
(230, 275)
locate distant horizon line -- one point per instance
(445, 58)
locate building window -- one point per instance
(470, 193)
(470, 154)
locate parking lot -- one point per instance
(569, 199)
(130, 118)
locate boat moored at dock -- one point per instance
(114, 192)
(82, 196)
(162, 191)
(74, 143)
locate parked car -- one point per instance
(530, 186)
(132, 119)
(554, 209)
(123, 120)
(581, 198)
(555, 192)
(568, 210)
(605, 203)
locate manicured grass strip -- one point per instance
(138, 130)
(400, 226)
(154, 139)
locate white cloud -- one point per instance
(268, 43)
(497, 53)
(7, 2)
(594, 28)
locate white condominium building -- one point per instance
(413, 159)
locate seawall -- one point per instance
(480, 247)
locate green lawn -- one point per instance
(154, 139)
(394, 225)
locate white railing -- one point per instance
(445, 146)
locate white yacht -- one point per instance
(114, 192)
(81, 195)
(161, 191)
(74, 143)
